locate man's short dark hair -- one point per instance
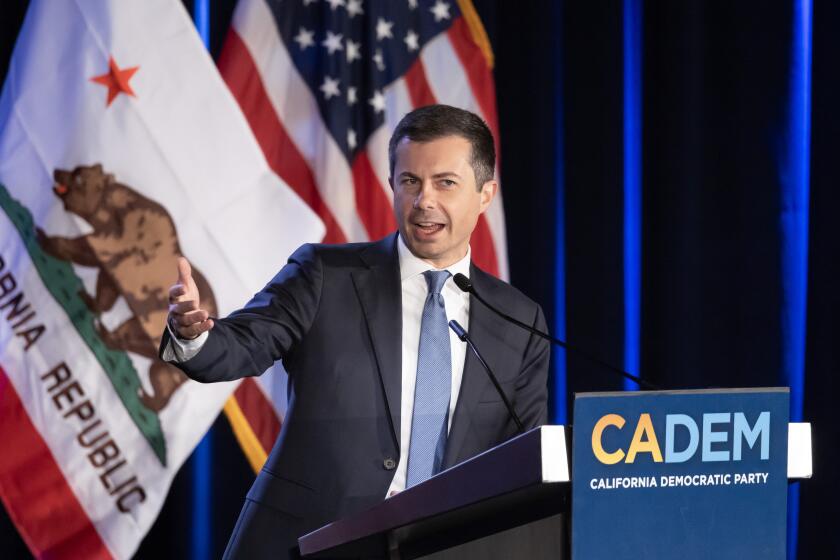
(437, 121)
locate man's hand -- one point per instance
(186, 317)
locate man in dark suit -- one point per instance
(382, 396)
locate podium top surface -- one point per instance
(536, 460)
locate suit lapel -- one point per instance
(380, 294)
(486, 329)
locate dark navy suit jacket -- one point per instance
(333, 314)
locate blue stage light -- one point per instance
(794, 175)
(203, 454)
(632, 188)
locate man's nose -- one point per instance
(426, 196)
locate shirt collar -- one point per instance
(411, 265)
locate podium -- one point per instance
(512, 501)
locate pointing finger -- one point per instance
(184, 270)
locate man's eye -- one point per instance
(448, 182)
(409, 181)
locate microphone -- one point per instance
(466, 286)
(462, 334)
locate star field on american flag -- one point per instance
(348, 51)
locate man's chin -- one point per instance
(423, 248)
(435, 252)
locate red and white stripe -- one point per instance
(354, 201)
(41, 492)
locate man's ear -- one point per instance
(488, 192)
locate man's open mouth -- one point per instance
(428, 227)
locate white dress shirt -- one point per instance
(414, 292)
(180, 349)
(457, 304)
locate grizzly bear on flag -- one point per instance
(134, 244)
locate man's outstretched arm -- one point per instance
(249, 340)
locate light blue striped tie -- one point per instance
(431, 392)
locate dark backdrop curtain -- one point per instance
(715, 103)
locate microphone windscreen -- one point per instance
(463, 282)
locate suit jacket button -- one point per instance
(389, 464)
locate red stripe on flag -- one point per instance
(418, 86)
(40, 503)
(483, 250)
(372, 203)
(478, 74)
(243, 78)
(259, 412)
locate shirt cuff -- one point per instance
(180, 350)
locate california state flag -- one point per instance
(120, 149)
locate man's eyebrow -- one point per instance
(440, 175)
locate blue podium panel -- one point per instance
(680, 474)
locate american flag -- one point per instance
(322, 84)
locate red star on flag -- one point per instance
(116, 80)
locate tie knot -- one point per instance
(435, 280)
